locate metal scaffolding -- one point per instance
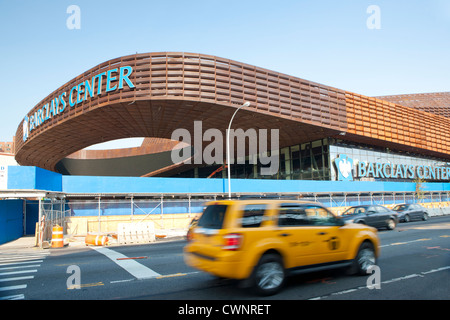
(121, 204)
(56, 208)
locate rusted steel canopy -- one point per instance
(172, 90)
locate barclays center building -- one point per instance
(319, 142)
(323, 133)
(316, 140)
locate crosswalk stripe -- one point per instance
(17, 272)
(23, 253)
(15, 253)
(18, 266)
(22, 262)
(17, 278)
(21, 286)
(17, 256)
(13, 297)
(18, 260)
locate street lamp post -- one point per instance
(228, 148)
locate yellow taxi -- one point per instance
(263, 240)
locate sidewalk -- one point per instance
(28, 242)
(24, 242)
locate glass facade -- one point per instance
(315, 161)
(368, 154)
(306, 161)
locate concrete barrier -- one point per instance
(140, 232)
(438, 211)
(109, 224)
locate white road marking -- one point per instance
(14, 297)
(25, 262)
(131, 266)
(17, 278)
(406, 242)
(120, 281)
(22, 286)
(17, 272)
(160, 277)
(30, 266)
(436, 270)
(18, 266)
(414, 275)
(22, 259)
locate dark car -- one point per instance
(373, 215)
(409, 212)
(191, 227)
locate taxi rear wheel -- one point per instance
(269, 275)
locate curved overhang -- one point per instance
(152, 157)
(153, 94)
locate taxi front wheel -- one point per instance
(364, 259)
(269, 275)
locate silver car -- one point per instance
(373, 215)
(408, 212)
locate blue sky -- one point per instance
(323, 41)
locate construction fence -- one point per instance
(103, 215)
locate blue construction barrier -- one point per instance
(11, 220)
(39, 179)
(32, 178)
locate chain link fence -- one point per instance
(102, 214)
(52, 212)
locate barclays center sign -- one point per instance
(82, 91)
(347, 170)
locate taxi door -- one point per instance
(312, 234)
(332, 239)
(297, 237)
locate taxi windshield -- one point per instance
(212, 216)
(399, 208)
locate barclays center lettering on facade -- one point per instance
(401, 171)
(82, 91)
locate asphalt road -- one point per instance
(414, 264)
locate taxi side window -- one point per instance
(319, 216)
(292, 215)
(252, 215)
(305, 215)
